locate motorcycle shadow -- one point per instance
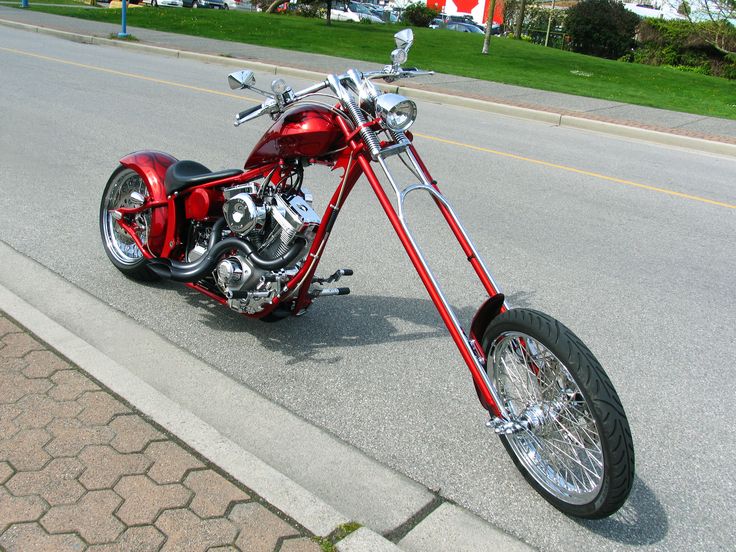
(348, 321)
(641, 521)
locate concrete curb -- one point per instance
(547, 117)
(289, 497)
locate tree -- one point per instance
(712, 19)
(602, 28)
(489, 27)
(418, 15)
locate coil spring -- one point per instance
(369, 137)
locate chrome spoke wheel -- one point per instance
(119, 194)
(567, 431)
(562, 448)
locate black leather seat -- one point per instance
(185, 174)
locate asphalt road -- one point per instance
(629, 244)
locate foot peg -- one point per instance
(326, 292)
(319, 291)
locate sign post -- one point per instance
(124, 32)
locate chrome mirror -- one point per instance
(404, 39)
(241, 79)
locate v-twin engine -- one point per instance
(278, 230)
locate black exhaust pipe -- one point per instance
(194, 271)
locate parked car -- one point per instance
(163, 3)
(353, 11)
(463, 27)
(212, 4)
(231, 4)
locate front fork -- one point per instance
(468, 345)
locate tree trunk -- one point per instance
(489, 27)
(274, 5)
(520, 19)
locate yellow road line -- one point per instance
(130, 75)
(579, 171)
(426, 136)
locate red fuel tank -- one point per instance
(308, 130)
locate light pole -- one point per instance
(124, 32)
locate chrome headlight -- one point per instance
(397, 112)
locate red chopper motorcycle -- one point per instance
(250, 239)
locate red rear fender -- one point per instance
(152, 165)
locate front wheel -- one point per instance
(572, 442)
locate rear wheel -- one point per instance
(575, 447)
(118, 244)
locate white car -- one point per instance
(231, 4)
(164, 3)
(353, 11)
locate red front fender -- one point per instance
(482, 319)
(151, 166)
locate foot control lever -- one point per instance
(335, 277)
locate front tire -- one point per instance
(577, 450)
(119, 246)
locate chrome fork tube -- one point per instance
(458, 330)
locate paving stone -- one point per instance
(24, 450)
(145, 499)
(105, 466)
(5, 472)
(17, 509)
(99, 407)
(40, 410)
(12, 365)
(31, 537)
(70, 436)
(185, 531)
(303, 544)
(223, 549)
(70, 384)
(18, 344)
(8, 413)
(56, 482)
(214, 493)
(260, 529)
(132, 433)
(14, 386)
(41, 364)
(91, 517)
(6, 327)
(134, 539)
(170, 462)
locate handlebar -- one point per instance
(388, 73)
(247, 112)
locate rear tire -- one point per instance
(119, 246)
(578, 452)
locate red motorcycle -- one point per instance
(251, 240)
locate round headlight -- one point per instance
(279, 86)
(398, 113)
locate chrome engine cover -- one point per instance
(271, 228)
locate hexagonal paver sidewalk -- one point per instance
(82, 470)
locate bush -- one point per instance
(418, 15)
(680, 44)
(602, 28)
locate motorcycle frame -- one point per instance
(357, 161)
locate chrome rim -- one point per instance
(119, 242)
(561, 449)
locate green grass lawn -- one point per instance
(510, 61)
